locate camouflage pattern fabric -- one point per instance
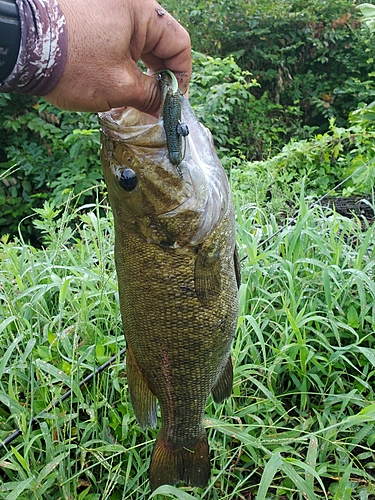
(43, 48)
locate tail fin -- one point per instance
(173, 463)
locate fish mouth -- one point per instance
(201, 189)
(121, 118)
(133, 127)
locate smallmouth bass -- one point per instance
(178, 274)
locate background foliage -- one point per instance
(277, 72)
(300, 421)
(287, 89)
(46, 154)
(313, 56)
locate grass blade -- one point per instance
(270, 470)
(172, 492)
(20, 488)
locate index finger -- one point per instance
(168, 47)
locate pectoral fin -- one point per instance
(207, 273)
(223, 386)
(142, 399)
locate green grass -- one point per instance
(300, 423)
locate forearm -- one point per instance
(42, 48)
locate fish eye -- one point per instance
(128, 179)
(182, 129)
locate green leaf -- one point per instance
(172, 492)
(21, 460)
(302, 485)
(7, 355)
(233, 431)
(344, 489)
(20, 487)
(64, 290)
(366, 415)
(367, 9)
(50, 467)
(352, 315)
(84, 493)
(270, 470)
(311, 457)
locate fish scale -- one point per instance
(167, 312)
(177, 273)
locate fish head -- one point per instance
(166, 204)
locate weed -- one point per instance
(300, 421)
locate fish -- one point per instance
(178, 275)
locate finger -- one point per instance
(137, 90)
(168, 47)
(155, 65)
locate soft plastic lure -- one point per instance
(175, 129)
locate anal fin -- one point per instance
(224, 384)
(142, 399)
(173, 463)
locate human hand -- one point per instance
(105, 41)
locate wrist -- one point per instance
(10, 37)
(42, 50)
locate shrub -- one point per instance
(46, 154)
(314, 55)
(221, 95)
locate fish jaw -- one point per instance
(163, 206)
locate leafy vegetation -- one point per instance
(301, 416)
(315, 56)
(47, 154)
(277, 72)
(54, 154)
(288, 91)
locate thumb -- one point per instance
(139, 91)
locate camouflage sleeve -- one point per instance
(43, 48)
